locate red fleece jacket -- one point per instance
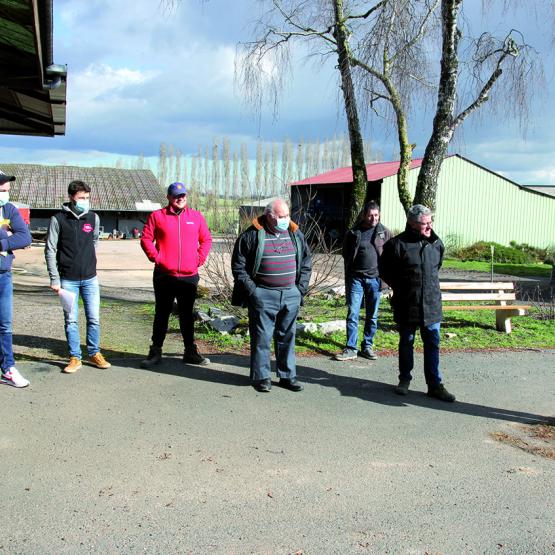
(177, 243)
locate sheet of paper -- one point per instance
(67, 298)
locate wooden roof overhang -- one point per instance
(32, 87)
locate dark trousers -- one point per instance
(430, 339)
(166, 290)
(273, 315)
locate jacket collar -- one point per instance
(66, 208)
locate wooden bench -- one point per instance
(482, 292)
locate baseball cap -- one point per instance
(5, 178)
(178, 188)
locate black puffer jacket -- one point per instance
(410, 266)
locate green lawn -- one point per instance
(524, 270)
(462, 330)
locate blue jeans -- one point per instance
(273, 314)
(430, 339)
(6, 314)
(89, 291)
(369, 288)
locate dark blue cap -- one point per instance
(177, 188)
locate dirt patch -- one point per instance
(536, 439)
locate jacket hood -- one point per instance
(259, 222)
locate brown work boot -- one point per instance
(73, 366)
(99, 361)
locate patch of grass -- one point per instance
(461, 330)
(524, 270)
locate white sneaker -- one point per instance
(14, 378)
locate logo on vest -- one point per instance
(87, 228)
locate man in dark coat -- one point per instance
(271, 266)
(410, 265)
(362, 248)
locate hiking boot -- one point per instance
(154, 357)
(73, 366)
(346, 354)
(369, 354)
(439, 392)
(99, 361)
(263, 386)
(402, 388)
(291, 385)
(192, 356)
(12, 377)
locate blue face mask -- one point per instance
(283, 223)
(4, 197)
(82, 205)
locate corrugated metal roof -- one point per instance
(375, 172)
(111, 188)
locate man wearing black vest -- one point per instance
(362, 248)
(71, 261)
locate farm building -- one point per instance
(473, 203)
(123, 199)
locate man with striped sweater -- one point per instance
(271, 267)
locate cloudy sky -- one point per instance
(140, 74)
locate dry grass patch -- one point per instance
(536, 439)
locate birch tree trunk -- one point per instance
(360, 179)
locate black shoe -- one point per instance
(291, 385)
(369, 354)
(263, 386)
(154, 357)
(439, 392)
(402, 388)
(192, 356)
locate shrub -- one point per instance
(513, 254)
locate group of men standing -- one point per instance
(271, 266)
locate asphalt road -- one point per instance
(192, 460)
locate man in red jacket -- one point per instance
(178, 241)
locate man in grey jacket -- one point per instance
(70, 253)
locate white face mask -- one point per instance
(4, 197)
(283, 223)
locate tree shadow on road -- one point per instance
(383, 394)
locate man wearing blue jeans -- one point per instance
(71, 261)
(362, 248)
(13, 235)
(410, 265)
